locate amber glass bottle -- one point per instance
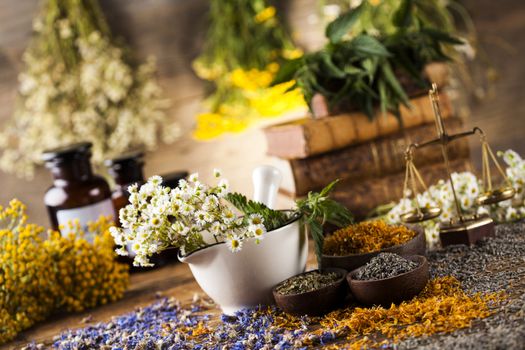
(76, 192)
(125, 170)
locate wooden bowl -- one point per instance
(317, 302)
(390, 290)
(415, 246)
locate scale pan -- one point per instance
(419, 215)
(496, 196)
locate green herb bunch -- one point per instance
(370, 70)
(316, 210)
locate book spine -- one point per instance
(311, 137)
(372, 159)
(361, 197)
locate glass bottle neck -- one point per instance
(128, 176)
(76, 170)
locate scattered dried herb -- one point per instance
(366, 237)
(385, 265)
(451, 313)
(307, 282)
(442, 307)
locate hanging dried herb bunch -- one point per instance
(79, 85)
(366, 237)
(244, 46)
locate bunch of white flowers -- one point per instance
(190, 217)
(78, 85)
(468, 188)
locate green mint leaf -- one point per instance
(342, 24)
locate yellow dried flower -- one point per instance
(265, 14)
(38, 276)
(442, 307)
(366, 237)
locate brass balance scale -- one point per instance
(462, 229)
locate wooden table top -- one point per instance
(174, 279)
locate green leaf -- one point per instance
(441, 36)
(317, 209)
(273, 219)
(331, 69)
(342, 24)
(287, 71)
(382, 96)
(326, 191)
(352, 70)
(393, 82)
(366, 45)
(403, 16)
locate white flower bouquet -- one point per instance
(196, 215)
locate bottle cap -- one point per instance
(67, 152)
(135, 158)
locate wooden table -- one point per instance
(174, 279)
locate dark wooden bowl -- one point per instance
(316, 302)
(393, 289)
(416, 246)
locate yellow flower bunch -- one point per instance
(87, 273)
(39, 276)
(256, 99)
(27, 287)
(241, 55)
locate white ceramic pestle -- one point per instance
(266, 182)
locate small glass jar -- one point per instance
(125, 170)
(76, 193)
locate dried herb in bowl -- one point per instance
(366, 237)
(385, 265)
(307, 282)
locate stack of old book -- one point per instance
(368, 156)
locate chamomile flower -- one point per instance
(133, 188)
(234, 243)
(228, 216)
(208, 217)
(257, 231)
(122, 251)
(183, 184)
(216, 228)
(155, 180)
(187, 209)
(221, 192)
(217, 173)
(210, 203)
(193, 178)
(255, 219)
(200, 217)
(223, 183)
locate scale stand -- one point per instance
(463, 229)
